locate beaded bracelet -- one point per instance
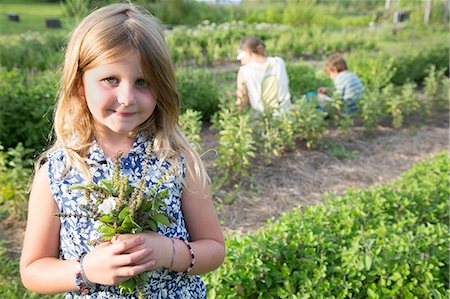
(80, 278)
(192, 257)
(83, 275)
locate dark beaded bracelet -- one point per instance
(191, 252)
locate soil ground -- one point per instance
(302, 177)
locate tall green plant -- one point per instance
(191, 125)
(236, 146)
(274, 133)
(309, 122)
(15, 170)
(435, 89)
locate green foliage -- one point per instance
(191, 126)
(401, 104)
(436, 89)
(375, 70)
(413, 65)
(199, 91)
(26, 101)
(236, 146)
(31, 50)
(338, 150)
(75, 9)
(304, 78)
(15, 171)
(388, 242)
(371, 106)
(309, 122)
(274, 133)
(10, 284)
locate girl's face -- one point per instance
(117, 96)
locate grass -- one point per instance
(32, 16)
(10, 284)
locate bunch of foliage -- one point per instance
(304, 78)
(236, 145)
(413, 64)
(388, 242)
(31, 50)
(191, 126)
(124, 209)
(198, 91)
(26, 100)
(309, 122)
(402, 102)
(436, 89)
(15, 171)
(274, 133)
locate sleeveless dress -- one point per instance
(75, 232)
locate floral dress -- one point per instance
(76, 232)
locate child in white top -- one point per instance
(118, 94)
(262, 81)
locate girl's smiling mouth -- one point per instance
(124, 114)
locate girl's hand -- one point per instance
(114, 262)
(160, 248)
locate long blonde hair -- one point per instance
(105, 36)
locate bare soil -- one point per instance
(301, 177)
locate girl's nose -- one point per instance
(126, 95)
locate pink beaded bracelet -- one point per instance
(192, 257)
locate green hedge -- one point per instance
(388, 242)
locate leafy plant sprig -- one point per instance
(124, 209)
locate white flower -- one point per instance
(108, 205)
(82, 201)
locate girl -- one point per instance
(118, 94)
(262, 81)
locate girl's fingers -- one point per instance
(133, 258)
(130, 271)
(122, 246)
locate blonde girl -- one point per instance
(118, 94)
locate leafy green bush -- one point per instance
(26, 100)
(413, 65)
(191, 126)
(304, 78)
(388, 242)
(236, 146)
(15, 171)
(199, 91)
(32, 50)
(436, 89)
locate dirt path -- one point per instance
(301, 177)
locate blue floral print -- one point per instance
(76, 232)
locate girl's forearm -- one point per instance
(209, 255)
(49, 275)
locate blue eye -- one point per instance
(110, 80)
(141, 83)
